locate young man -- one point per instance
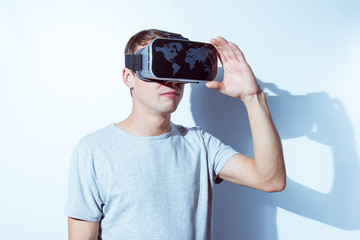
(147, 178)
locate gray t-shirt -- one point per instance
(157, 187)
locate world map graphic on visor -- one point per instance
(182, 59)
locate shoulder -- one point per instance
(199, 135)
(96, 138)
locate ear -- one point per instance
(128, 77)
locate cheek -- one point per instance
(146, 90)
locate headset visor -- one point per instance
(175, 60)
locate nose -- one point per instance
(171, 84)
(174, 85)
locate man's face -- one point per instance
(156, 97)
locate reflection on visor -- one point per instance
(183, 59)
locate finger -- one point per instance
(213, 85)
(238, 53)
(214, 42)
(227, 49)
(220, 44)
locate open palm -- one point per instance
(239, 80)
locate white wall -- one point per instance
(60, 76)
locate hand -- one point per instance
(239, 80)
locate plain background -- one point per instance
(60, 78)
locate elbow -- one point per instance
(280, 186)
(276, 185)
(277, 181)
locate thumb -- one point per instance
(213, 85)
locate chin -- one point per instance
(168, 110)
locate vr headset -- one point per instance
(174, 59)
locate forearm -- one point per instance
(268, 154)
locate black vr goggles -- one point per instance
(174, 59)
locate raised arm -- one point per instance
(266, 171)
(82, 230)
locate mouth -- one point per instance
(170, 94)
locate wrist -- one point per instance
(254, 97)
(256, 103)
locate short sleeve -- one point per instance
(218, 154)
(84, 201)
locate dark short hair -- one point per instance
(141, 39)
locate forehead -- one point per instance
(142, 46)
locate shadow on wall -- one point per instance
(245, 213)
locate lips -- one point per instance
(170, 94)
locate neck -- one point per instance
(149, 125)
